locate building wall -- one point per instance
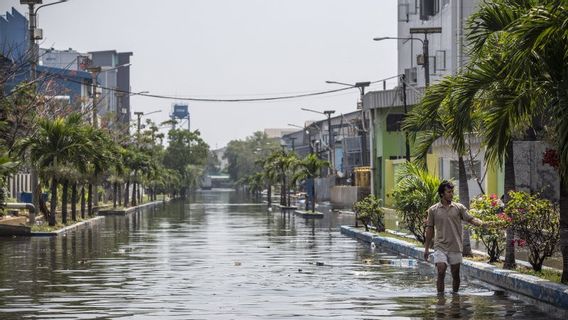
(445, 49)
(14, 36)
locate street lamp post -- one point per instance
(95, 71)
(363, 132)
(425, 48)
(136, 190)
(331, 146)
(34, 34)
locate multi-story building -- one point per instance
(346, 152)
(114, 80)
(430, 46)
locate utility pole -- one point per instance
(34, 34)
(33, 59)
(407, 145)
(330, 139)
(94, 73)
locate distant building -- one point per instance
(220, 153)
(346, 130)
(114, 83)
(277, 133)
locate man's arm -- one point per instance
(470, 219)
(477, 222)
(428, 240)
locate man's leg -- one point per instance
(455, 269)
(441, 267)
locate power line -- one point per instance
(228, 100)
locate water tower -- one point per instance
(180, 111)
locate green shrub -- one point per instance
(489, 209)
(414, 193)
(370, 211)
(537, 222)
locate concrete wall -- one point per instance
(343, 197)
(323, 188)
(445, 49)
(531, 174)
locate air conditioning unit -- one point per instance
(410, 75)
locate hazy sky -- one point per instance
(233, 49)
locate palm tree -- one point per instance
(56, 142)
(516, 85)
(441, 115)
(535, 42)
(310, 168)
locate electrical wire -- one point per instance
(156, 96)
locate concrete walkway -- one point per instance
(547, 295)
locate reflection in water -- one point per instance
(216, 256)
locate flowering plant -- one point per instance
(489, 209)
(537, 221)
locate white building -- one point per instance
(446, 48)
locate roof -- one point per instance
(392, 98)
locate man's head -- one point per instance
(446, 190)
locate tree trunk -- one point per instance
(120, 194)
(313, 195)
(464, 199)
(53, 203)
(126, 194)
(133, 203)
(269, 195)
(64, 201)
(74, 201)
(114, 193)
(564, 228)
(83, 201)
(90, 200)
(509, 186)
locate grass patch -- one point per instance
(45, 227)
(394, 236)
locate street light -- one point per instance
(425, 48)
(363, 132)
(95, 71)
(34, 34)
(331, 146)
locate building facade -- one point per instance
(432, 29)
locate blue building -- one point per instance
(55, 84)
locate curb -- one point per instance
(124, 212)
(68, 228)
(553, 297)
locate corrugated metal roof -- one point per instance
(392, 98)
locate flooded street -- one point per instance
(217, 256)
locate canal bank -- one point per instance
(89, 222)
(549, 296)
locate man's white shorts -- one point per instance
(447, 257)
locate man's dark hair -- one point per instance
(443, 186)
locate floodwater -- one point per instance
(217, 256)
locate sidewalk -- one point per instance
(549, 296)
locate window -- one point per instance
(403, 12)
(394, 121)
(429, 8)
(440, 60)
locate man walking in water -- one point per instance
(444, 224)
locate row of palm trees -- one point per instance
(284, 168)
(514, 87)
(71, 154)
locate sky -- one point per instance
(233, 49)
